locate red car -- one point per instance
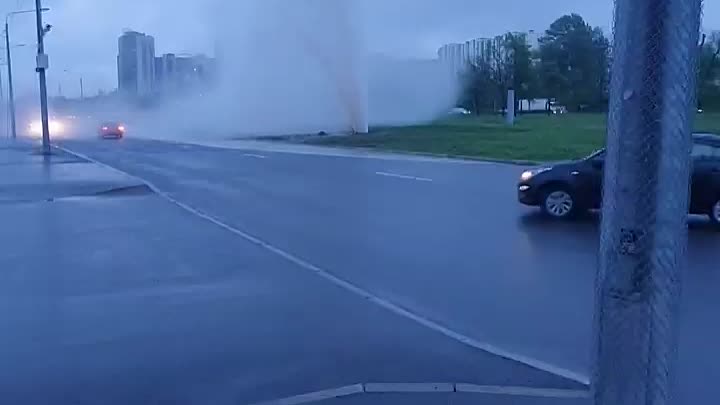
(112, 130)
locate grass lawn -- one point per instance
(533, 138)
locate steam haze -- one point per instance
(286, 65)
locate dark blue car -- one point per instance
(565, 189)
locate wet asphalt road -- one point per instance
(110, 294)
(445, 240)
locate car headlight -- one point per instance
(529, 174)
(54, 127)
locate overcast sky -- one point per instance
(83, 40)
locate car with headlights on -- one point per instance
(565, 189)
(111, 130)
(56, 128)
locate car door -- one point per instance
(705, 178)
(596, 170)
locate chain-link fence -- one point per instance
(646, 195)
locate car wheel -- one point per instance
(559, 203)
(715, 213)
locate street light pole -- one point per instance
(82, 88)
(2, 91)
(2, 104)
(11, 93)
(41, 66)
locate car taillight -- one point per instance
(121, 128)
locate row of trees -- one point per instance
(709, 73)
(570, 67)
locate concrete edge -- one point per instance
(407, 152)
(317, 396)
(414, 388)
(408, 387)
(458, 157)
(522, 391)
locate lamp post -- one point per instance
(82, 89)
(11, 93)
(42, 65)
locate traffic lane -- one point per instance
(539, 273)
(555, 259)
(448, 171)
(428, 247)
(93, 313)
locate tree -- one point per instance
(507, 64)
(519, 59)
(480, 89)
(574, 63)
(709, 74)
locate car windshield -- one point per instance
(356, 197)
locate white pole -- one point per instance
(510, 109)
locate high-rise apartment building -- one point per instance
(136, 64)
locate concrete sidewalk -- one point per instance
(27, 175)
(116, 297)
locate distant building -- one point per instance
(136, 64)
(178, 73)
(457, 57)
(533, 39)
(712, 36)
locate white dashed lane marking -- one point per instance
(403, 176)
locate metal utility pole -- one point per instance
(2, 91)
(2, 106)
(42, 65)
(644, 220)
(82, 90)
(11, 93)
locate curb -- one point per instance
(290, 141)
(461, 157)
(415, 388)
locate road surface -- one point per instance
(443, 240)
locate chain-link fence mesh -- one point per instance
(646, 196)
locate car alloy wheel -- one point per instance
(715, 212)
(559, 204)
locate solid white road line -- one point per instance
(402, 176)
(367, 295)
(317, 396)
